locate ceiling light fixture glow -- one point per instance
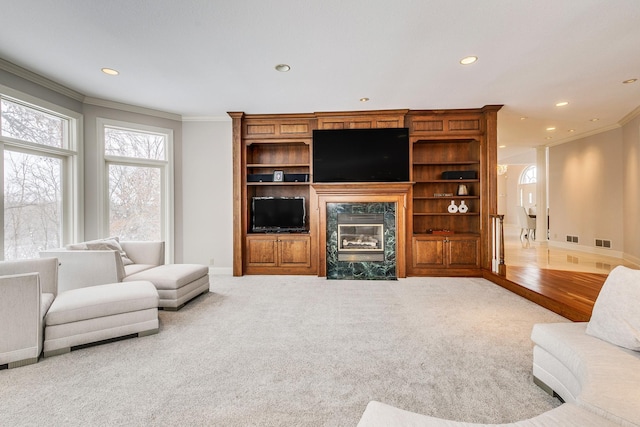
(523, 118)
(595, 119)
(467, 60)
(502, 146)
(550, 128)
(562, 103)
(630, 81)
(364, 99)
(571, 130)
(283, 68)
(110, 71)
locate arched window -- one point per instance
(528, 175)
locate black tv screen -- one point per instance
(277, 214)
(361, 155)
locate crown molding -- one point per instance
(632, 115)
(38, 79)
(206, 119)
(131, 108)
(584, 135)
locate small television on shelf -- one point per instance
(277, 214)
(361, 155)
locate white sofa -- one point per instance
(27, 290)
(594, 367)
(103, 261)
(36, 319)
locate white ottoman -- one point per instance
(176, 283)
(97, 313)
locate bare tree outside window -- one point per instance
(135, 163)
(33, 212)
(128, 143)
(27, 124)
(135, 202)
(32, 204)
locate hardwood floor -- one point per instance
(566, 282)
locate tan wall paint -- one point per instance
(585, 190)
(631, 189)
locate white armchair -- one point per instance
(27, 290)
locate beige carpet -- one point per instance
(299, 351)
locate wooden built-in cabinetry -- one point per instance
(436, 242)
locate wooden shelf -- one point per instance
(446, 163)
(270, 183)
(277, 165)
(444, 197)
(445, 214)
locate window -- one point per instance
(139, 191)
(528, 175)
(40, 169)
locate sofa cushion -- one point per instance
(136, 268)
(615, 316)
(100, 301)
(108, 244)
(171, 276)
(46, 299)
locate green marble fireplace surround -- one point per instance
(361, 269)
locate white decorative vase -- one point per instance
(452, 207)
(463, 208)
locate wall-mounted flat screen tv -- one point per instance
(361, 155)
(277, 214)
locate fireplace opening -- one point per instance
(360, 237)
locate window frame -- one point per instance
(72, 163)
(166, 175)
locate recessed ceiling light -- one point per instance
(523, 118)
(502, 146)
(468, 60)
(110, 71)
(364, 99)
(283, 68)
(562, 103)
(550, 128)
(549, 137)
(571, 130)
(595, 119)
(630, 81)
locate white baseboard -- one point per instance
(588, 249)
(220, 271)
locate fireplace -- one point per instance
(361, 240)
(360, 237)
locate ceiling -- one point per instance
(204, 58)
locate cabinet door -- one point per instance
(464, 252)
(428, 252)
(261, 251)
(294, 251)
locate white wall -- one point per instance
(207, 193)
(631, 189)
(585, 190)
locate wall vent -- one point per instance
(603, 243)
(572, 239)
